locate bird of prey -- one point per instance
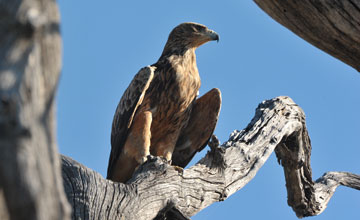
(159, 113)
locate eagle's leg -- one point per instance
(136, 148)
(165, 152)
(137, 144)
(166, 146)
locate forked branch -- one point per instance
(278, 124)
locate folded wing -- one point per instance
(195, 136)
(125, 111)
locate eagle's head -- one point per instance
(189, 35)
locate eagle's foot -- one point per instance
(164, 159)
(150, 157)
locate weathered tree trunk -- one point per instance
(30, 181)
(30, 61)
(279, 124)
(331, 25)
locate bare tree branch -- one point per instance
(30, 61)
(278, 123)
(331, 25)
(326, 185)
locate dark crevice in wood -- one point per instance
(101, 209)
(357, 7)
(170, 212)
(83, 206)
(112, 201)
(70, 189)
(93, 201)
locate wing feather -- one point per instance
(125, 112)
(195, 136)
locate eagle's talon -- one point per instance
(150, 157)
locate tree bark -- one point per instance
(331, 25)
(278, 124)
(30, 182)
(30, 61)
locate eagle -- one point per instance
(159, 113)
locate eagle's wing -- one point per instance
(195, 136)
(125, 112)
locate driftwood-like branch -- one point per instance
(331, 25)
(278, 124)
(30, 62)
(30, 183)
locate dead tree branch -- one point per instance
(278, 124)
(331, 25)
(30, 182)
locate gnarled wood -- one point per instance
(278, 123)
(331, 25)
(30, 61)
(30, 183)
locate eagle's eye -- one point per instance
(197, 29)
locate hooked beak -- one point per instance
(213, 35)
(205, 36)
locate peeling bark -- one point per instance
(331, 25)
(278, 124)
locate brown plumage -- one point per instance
(159, 113)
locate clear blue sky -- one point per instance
(106, 43)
